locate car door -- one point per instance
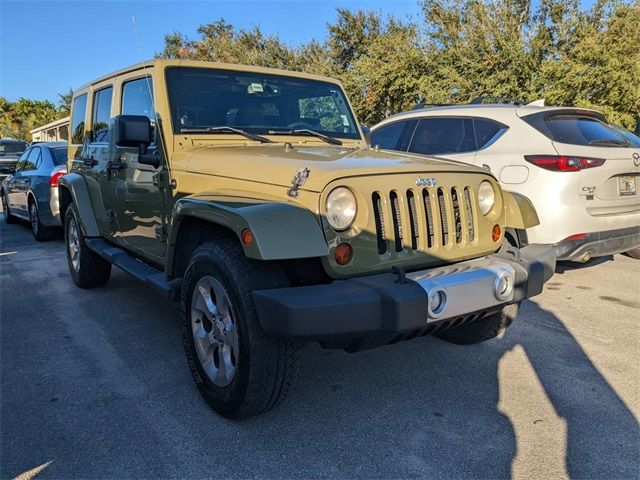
(23, 180)
(447, 137)
(93, 159)
(13, 183)
(139, 200)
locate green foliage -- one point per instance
(18, 118)
(460, 50)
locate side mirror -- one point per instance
(367, 134)
(135, 131)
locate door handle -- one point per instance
(116, 165)
(89, 161)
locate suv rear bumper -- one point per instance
(598, 244)
(382, 305)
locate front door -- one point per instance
(138, 189)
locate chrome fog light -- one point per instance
(437, 303)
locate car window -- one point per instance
(30, 160)
(436, 136)
(137, 98)
(101, 114)
(77, 119)
(487, 132)
(12, 147)
(59, 155)
(580, 130)
(394, 136)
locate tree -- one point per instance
(18, 118)
(64, 102)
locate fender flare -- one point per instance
(281, 231)
(520, 212)
(77, 187)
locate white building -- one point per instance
(52, 132)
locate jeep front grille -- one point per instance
(423, 219)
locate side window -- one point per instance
(137, 98)
(395, 136)
(77, 119)
(23, 159)
(101, 114)
(30, 162)
(439, 136)
(388, 137)
(487, 131)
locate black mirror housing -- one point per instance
(367, 134)
(132, 131)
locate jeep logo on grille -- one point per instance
(426, 182)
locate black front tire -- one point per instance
(40, 232)
(482, 329)
(266, 367)
(86, 267)
(8, 218)
(635, 253)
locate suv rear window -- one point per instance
(581, 130)
(12, 147)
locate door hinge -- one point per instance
(161, 180)
(111, 216)
(161, 232)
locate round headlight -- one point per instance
(486, 196)
(341, 208)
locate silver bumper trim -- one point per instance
(466, 287)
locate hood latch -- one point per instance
(297, 181)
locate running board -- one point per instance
(143, 272)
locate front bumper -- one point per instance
(598, 244)
(385, 305)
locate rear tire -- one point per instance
(635, 253)
(218, 312)
(8, 218)
(40, 232)
(86, 267)
(482, 329)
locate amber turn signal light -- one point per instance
(496, 232)
(246, 236)
(343, 254)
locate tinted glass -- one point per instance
(486, 132)
(631, 137)
(77, 119)
(59, 155)
(256, 102)
(388, 137)
(437, 136)
(30, 160)
(101, 114)
(12, 147)
(137, 98)
(583, 131)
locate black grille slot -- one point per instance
(379, 216)
(469, 213)
(443, 217)
(413, 216)
(457, 219)
(397, 220)
(427, 207)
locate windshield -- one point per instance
(256, 102)
(7, 147)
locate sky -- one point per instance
(48, 46)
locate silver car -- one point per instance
(31, 193)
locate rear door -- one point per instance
(22, 181)
(610, 188)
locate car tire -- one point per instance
(8, 218)
(481, 329)
(40, 232)
(86, 267)
(635, 253)
(260, 373)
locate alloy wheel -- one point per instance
(33, 217)
(73, 244)
(215, 333)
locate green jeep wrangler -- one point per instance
(253, 197)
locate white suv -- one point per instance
(580, 172)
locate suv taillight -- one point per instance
(562, 163)
(54, 179)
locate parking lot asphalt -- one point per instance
(94, 383)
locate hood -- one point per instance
(276, 165)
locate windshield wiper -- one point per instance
(609, 141)
(306, 131)
(223, 129)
